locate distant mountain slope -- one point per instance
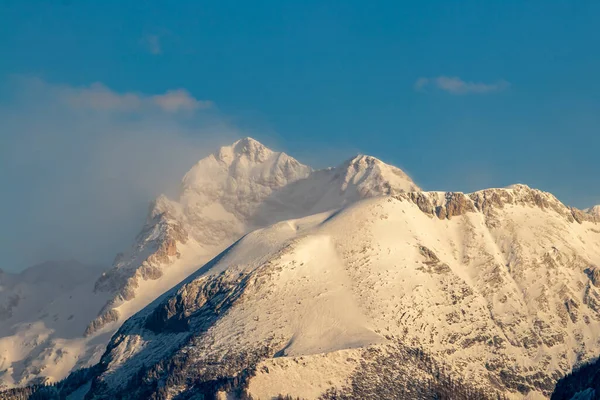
(41, 310)
(500, 286)
(595, 211)
(222, 197)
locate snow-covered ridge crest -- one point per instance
(233, 191)
(357, 178)
(236, 189)
(502, 285)
(218, 197)
(595, 210)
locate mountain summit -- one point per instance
(265, 277)
(236, 189)
(219, 195)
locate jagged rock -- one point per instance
(593, 273)
(423, 201)
(457, 204)
(106, 318)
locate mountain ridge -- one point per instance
(221, 198)
(482, 274)
(253, 211)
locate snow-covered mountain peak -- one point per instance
(594, 211)
(245, 159)
(247, 148)
(251, 148)
(219, 196)
(327, 189)
(384, 177)
(362, 161)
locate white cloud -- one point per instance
(179, 99)
(98, 97)
(152, 44)
(421, 83)
(456, 85)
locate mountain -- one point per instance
(499, 288)
(41, 316)
(218, 197)
(594, 211)
(237, 189)
(358, 178)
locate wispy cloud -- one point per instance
(80, 163)
(456, 85)
(179, 99)
(98, 97)
(152, 43)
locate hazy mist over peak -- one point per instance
(84, 162)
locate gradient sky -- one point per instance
(462, 95)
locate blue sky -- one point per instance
(462, 95)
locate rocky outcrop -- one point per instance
(211, 296)
(593, 272)
(442, 205)
(452, 204)
(105, 318)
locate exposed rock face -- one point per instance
(594, 273)
(447, 205)
(106, 318)
(456, 204)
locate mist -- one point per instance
(80, 165)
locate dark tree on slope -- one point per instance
(406, 373)
(584, 378)
(55, 391)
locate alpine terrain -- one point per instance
(266, 278)
(65, 320)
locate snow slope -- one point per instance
(358, 178)
(42, 316)
(233, 191)
(225, 195)
(501, 286)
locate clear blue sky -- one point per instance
(461, 94)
